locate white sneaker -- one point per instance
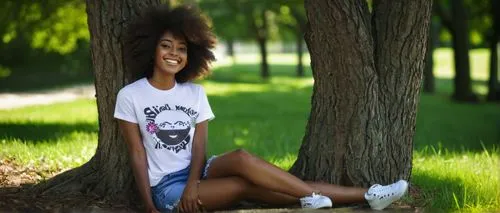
(315, 201)
(379, 196)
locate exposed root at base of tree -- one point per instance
(79, 188)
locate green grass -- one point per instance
(456, 153)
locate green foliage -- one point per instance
(54, 25)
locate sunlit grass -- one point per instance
(459, 181)
(58, 136)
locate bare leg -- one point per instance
(220, 193)
(272, 185)
(258, 172)
(340, 194)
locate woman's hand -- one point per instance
(189, 200)
(152, 210)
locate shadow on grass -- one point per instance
(250, 73)
(42, 132)
(20, 81)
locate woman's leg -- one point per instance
(220, 193)
(259, 172)
(340, 194)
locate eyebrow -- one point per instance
(166, 39)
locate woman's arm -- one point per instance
(138, 161)
(189, 201)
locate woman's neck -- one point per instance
(162, 82)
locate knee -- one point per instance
(242, 156)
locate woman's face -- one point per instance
(171, 54)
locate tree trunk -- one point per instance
(429, 80)
(367, 73)
(107, 174)
(264, 66)
(262, 41)
(230, 48)
(462, 81)
(493, 88)
(300, 53)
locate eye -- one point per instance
(183, 49)
(164, 45)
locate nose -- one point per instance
(173, 52)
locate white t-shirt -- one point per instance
(167, 120)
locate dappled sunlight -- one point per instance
(255, 58)
(4, 72)
(218, 89)
(444, 68)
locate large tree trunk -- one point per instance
(367, 71)
(460, 31)
(493, 88)
(107, 174)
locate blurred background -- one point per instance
(45, 44)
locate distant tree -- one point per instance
(429, 79)
(229, 24)
(493, 85)
(367, 69)
(108, 174)
(457, 24)
(291, 16)
(256, 16)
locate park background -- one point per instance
(262, 108)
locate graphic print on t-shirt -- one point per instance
(170, 126)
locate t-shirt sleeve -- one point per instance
(124, 109)
(205, 111)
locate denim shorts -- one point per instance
(167, 193)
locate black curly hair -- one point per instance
(185, 22)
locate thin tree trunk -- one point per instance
(429, 80)
(462, 80)
(264, 66)
(493, 88)
(262, 41)
(107, 174)
(230, 48)
(367, 74)
(300, 53)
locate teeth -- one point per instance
(170, 61)
(172, 136)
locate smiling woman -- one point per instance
(164, 119)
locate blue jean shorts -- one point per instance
(167, 193)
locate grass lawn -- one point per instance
(456, 154)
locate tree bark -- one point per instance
(462, 80)
(107, 175)
(367, 73)
(493, 88)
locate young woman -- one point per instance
(164, 118)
